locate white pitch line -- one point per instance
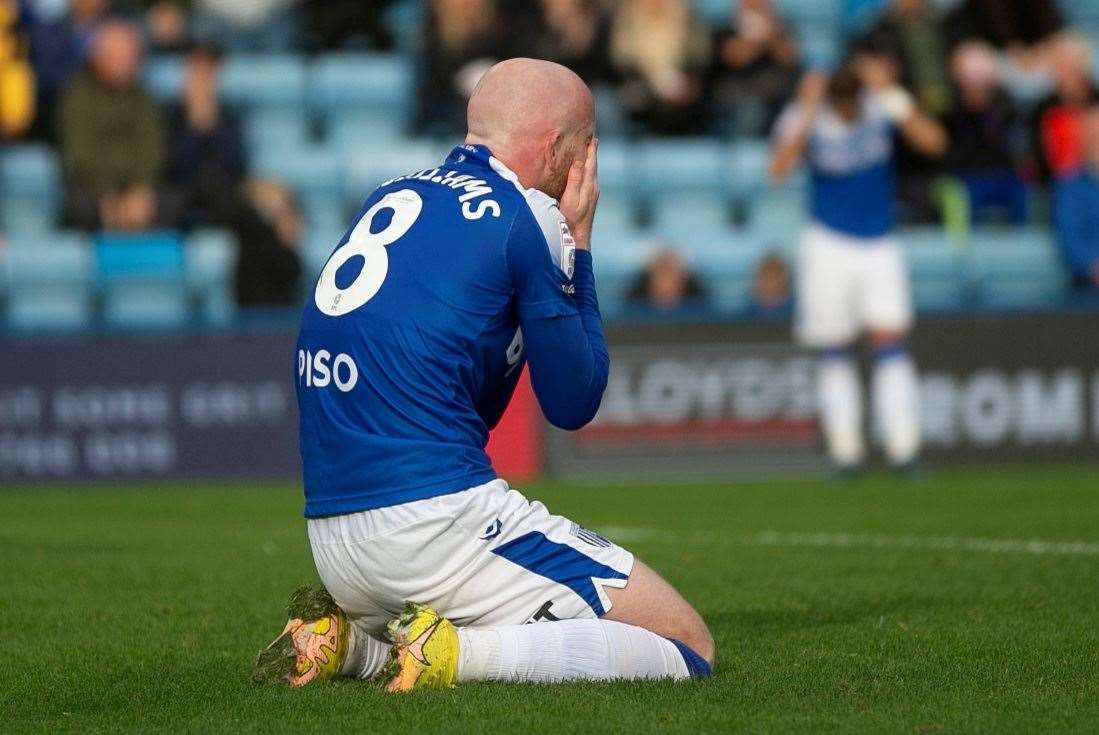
(929, 543)
(630, 534)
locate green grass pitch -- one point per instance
(967, 602)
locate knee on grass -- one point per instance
(701, 641)
(694, 634)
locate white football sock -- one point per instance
(567, 650)
(897, 406)
(365, 654)
(840, 401)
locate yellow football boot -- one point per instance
(311, 647)
(425, 651)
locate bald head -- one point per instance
(536, 117)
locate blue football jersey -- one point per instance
(850, 170)
(410, 347)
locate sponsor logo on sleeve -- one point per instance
(568, 250)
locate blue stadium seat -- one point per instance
(124, 257)
(624, 243)
(616, 213)
(936, 268)
(359, 131)
(145, 306)
(929, 251)
(309, 169)
(617, 166)
(349, 80)
(48, 282)
(1016, 269)
(324, 211)
(52, 259)
(611, 120)
(799, 11)
(368, 169)
(621, 260)
(29, 168)
(748, 162)
(164, 77)
(821, 43)
(713, 12)
(275, 129)
(728, 296)
(726, 263)
(700, 164)
(264, 81)
(49, 310)
(1081, 11)
(210, 258)
(142, 279)
(938, 295)
(778, 213)
(1021, 294)
(30, 184)
(859, 15)
(677, 216)
(405, 19)
(726, 253)
(316, 249)
(30, 214)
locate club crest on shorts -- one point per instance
(568, 250)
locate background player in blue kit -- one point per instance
(852, 277)
(408, 354)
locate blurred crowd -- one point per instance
(1008, 79)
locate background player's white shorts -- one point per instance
(484, 556)
(846, 286)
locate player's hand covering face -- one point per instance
(581, 196)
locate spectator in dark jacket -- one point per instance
(461, 41)
(348, 24)
(756, 65)
(208, 160)
(575, 33)
(913, 32)
(661, 53)
(985, 133)
(270, 232)
(1076, 211)
(59, 49)
(1006, 24)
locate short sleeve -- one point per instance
(540, 255)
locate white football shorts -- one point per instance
(847, 286)
(483, 557)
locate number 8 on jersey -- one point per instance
(371, 246)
